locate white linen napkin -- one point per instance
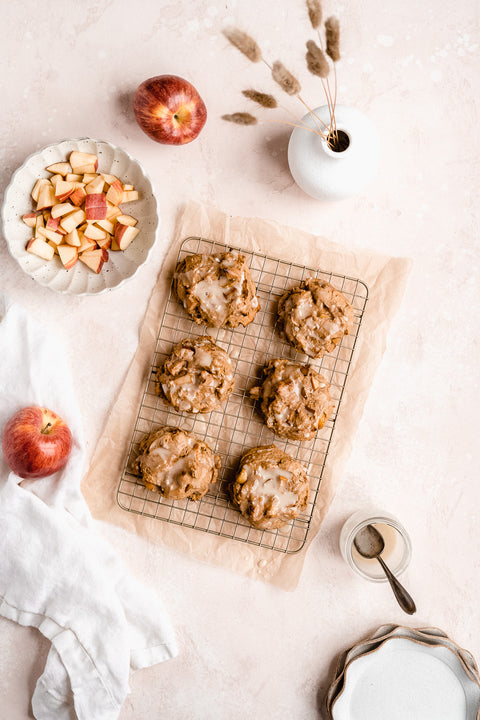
(56, 573)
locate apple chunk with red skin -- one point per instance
(96, 206)
(36, 442)
(169, 109)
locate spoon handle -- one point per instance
(403, 597)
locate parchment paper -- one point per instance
(385, 277)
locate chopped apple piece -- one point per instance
(54, 246)
(61, 168)
(88, 177)
(86, 243)
(52, 235)
(106, 225)
(105, 242)
(96, 206)
(95, 186)
(46, 197)
(56, 179)
(73, 238)
(39, 224)
(30, 219)
(113, 211)
(115, 193)
(38, 246)
(82, 163)
(78, 195)
(62, 209)
(72, 220)
(94, 233)
(127, 220)
(124, 234)
(128, 187)
(114, 245)
(41, 183)
(68, 255)
(63, 190)
(130, 196)
(110, 179)
(73, 177)
(52, 223)
(94, 259)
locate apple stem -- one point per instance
(47, 428)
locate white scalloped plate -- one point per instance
(405, 679)
(80, 280)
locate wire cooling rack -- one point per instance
(238, 426)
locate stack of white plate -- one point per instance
(402, 673)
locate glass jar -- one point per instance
(398, 547)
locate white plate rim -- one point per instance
(66, 142)
(468, 675)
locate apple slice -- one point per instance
(94, 259)
(114, 245)
(128, 187)
(73, 177)
(39, 224)
(115, 193)
(62, 209)
(51, 235)
(86, 243)
(41, 248)
(68, 255)
(46, 197)
(106, 225)
(61, 168)
(95, 186)
(124, 234)
(113, 211)
(52, 223)
(94, 233)
(96, 206)
(41, 183)
(63, 190)
(30, 219)
(130, 196)
(56, 179)
(127, 220)
(110, 179)
(78, 195)
(105, 242)
(72, 220)
(73, 238)
(82, 163)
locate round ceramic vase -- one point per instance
(329, 175)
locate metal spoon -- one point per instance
(370, 544)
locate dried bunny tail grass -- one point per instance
(317, 63)
(332, 34)
(285, 79)
(314, 8)
(263, 99)
(240, 118)
(243, 42)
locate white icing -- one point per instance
(272, 483)
(211, 294)
(203, 357)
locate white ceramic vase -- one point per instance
(327, 174)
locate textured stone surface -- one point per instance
(70, 71)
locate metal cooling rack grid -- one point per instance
(239, 426)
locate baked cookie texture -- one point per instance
(314, 317)
(271, 488)
(217, 289)
(294, 399)
(197, 376)
(176, 464)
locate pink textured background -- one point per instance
(70, 71)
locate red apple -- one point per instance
(36, 442)
(169, 109)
